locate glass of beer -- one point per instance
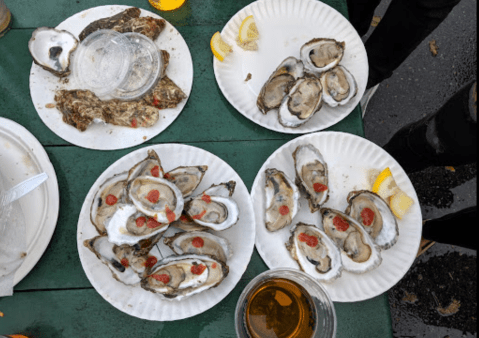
(167, 5)
(285, 303)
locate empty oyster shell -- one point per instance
(178, 277)
(339, 86)
(303, 100)
(359, 254)
(274, 90)
(316, 253)
(282, 200)
(51, 49)
(127, 264)
(187, 179)
(128, 226)
(311, 175)
(199, 243)
(214, 212)
(156, 197)
(320, 54)
(225, 189)
(375, 215)
(106, 199)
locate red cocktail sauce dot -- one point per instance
(167, 176)
(152, 223)
(170, 214)
(155, 101)
(199, 215)
(164, 278)
(155, 171)
(340, 224)
(198, 269)
(284, 210)
(184, 218)
(206, 198)
(151, 261)
(111, 199)
(311, 241)
(153, 196)
(125, 262)
(214, 265)
(134, 123)
(368, 216)
(198, 242)
(318, 187)
(140, 221)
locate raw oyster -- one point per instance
(177, 277)
(150, 166)
(104, 204)
(216, 212)
(359, 254)
(166, 94)
(282, 200)
(128, 226)
(311, 175)
(186, 223)
(187, 179)
(375, 215)
(339, 86)
(303, 100)
(316, 253)
(274, 90)
(51, 49)
(320, 54)
(127, 264)
(156, 197)
(199, 243)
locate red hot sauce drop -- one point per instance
(198, 242)
(368, 216)
(111, 199)
(340, 224)
(311, 241)
(198, 269)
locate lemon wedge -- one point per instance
(219, 48)
(385, 186)
(248, 31)
(400, 203)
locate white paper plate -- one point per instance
(101, 136)
(22, 157)
(284, 26)
(138, 302)
(350, 159)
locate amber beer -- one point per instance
(166, 5)
(5, 18)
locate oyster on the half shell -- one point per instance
(375, 215)
(316, 253)
(274, 90)
(321, 54)
(339, 86)
(51, 49)
(359, 254)
(311, 175)
(187, 179)
(281, 200)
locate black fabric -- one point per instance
(456, 229)
(404, 26)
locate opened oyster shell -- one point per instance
(274, 90)
(199, 243)
(321, 54)
(186, 223)
(282, 200)
(359, 254)
(127, 264)
(316, 253)
(150, 166)
(51, 49)
(339, 86)
(302, 101)
(111, 193)
(178, 277)
(128, 226)
(375, 215)
(311, 175)
(187, 179)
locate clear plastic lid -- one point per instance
(103, 61)
(145, 67)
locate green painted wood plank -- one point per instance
(28, 14)
(83, 313)
(207, 116)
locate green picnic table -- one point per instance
(56, 299)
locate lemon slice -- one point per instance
(385, 186)
(400, 203)
(248, 31)
(219, 48)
